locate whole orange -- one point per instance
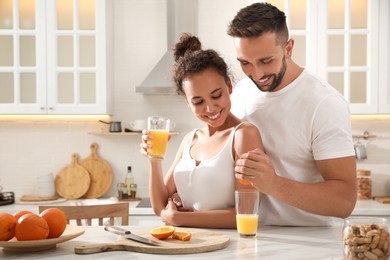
(7, 226)
(31, 227)
(56, 219)
(20, 213)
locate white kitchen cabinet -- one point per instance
(345, 42)
(55, 57)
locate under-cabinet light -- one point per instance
(54, 117)
(371, 117)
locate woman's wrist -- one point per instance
(155, 161)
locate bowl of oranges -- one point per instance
(27, 231)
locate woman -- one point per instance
(202, 173)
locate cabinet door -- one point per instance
(302, 28)
(338, 40)
(22, 57)
(53, 57)
(76, 58)
(350, 41)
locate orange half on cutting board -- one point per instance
(162, 232)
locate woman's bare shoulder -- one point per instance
(247, 137)
(247, 128)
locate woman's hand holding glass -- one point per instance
(155, 138)
(144, 143)
(147, 144)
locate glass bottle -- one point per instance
(129, 180)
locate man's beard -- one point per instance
(277, 78)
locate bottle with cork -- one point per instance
(129, 180)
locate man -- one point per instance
(308, 171)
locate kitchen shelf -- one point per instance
(123, 133)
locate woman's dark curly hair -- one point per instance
(191, 59)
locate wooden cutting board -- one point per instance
(384, 200)
(72, 181)
(100, 172)
(31, 198)
(201, 241)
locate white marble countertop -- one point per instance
(300, 243)
(272, 242)
(371, 208)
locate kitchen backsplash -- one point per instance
(29, 148)
(32, 148)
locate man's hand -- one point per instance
(256, 167)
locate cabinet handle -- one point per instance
(51, 108)
(42, 108)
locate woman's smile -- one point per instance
(214, 117)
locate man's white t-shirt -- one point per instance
(308, 120)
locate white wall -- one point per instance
(32, 148)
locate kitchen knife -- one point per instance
(128, 235)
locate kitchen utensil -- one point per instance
(115, 126)
(100, 172)
(172, 125)
(360, 151)
(202, 240)
(247, 212)
(43, 244)
(37, 198)
(128, 235)
(72, 181)
(45, 185)
(158, 127)
(382, 199)
(6, 197)
(137, 125)
(34, 200)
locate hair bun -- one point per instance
(187, 43)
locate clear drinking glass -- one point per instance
(158, 127)
(247, 212)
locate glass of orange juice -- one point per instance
(247, 212)
(158, 127)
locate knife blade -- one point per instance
(128, 235)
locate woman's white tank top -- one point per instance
(211, 184)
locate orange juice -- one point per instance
(159, 143)
(247, 224)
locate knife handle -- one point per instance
(117, 230)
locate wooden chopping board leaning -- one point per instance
(72, 181)
(100, 172)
